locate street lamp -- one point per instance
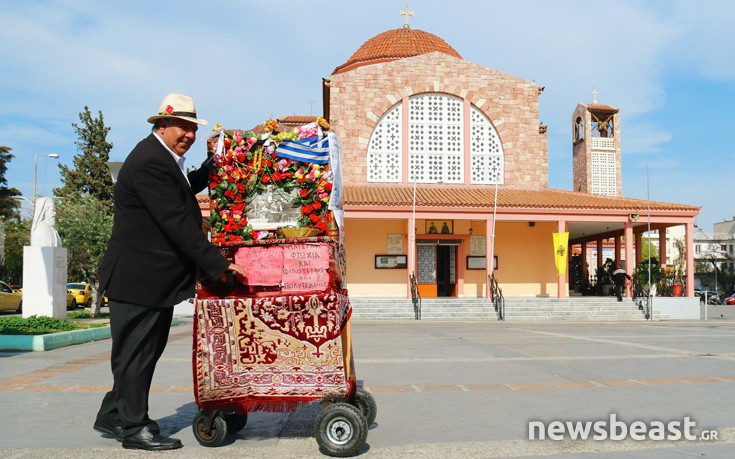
(35, 174)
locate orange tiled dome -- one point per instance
(396, 44)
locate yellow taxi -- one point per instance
(71, 300)
(82, 291)
(10, 300)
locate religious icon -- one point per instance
(439, 227)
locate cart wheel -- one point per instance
(340, 430)
(214, 436)
(365, 402)
(235, 421)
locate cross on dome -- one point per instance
(406, 13)
(594, 95)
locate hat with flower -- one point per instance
(177, 106)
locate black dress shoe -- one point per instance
(150, 440)
(113, 431)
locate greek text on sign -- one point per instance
(262, 265)
(305, 267)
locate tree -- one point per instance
(90, 175)
(644, 249)
(85, 227)
(9, 207)
(17, 235)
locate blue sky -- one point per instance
(668, 65)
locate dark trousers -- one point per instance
(139, 336)
(619, 291)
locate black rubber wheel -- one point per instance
(20, 307)
(73, 304)
(340, 430)
(216, 434)
(365, 402)
(235, 421)
(89, 303)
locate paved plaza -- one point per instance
(443, 389)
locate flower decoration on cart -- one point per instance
(294, 166)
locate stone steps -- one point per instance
(601, 309)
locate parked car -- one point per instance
(82, 291)
(71, 299)
(10, 300)
(730, 299)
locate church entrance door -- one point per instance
(437, 273)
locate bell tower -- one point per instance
(596, 148)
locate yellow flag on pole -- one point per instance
(561, 242)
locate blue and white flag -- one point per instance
(310, 150)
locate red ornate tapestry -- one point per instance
(271, 353)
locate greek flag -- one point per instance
(310, 150)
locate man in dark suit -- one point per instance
(620, 278)
(150, 265)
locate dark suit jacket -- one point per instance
(157, 241)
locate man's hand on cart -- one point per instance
(237, 270)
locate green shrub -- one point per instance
(35, 325)
(85, 315)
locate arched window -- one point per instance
(579, 129)
(384, 149)
(436, 143)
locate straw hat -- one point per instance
(177, 106)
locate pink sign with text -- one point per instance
(262, 265)
(305, 267)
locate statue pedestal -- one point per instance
(44, 282)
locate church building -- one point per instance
(445, 168)
(445, 173)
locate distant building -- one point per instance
(714, 249)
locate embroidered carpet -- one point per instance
(272, 353)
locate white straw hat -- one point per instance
(177, 106)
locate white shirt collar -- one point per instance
(180, 160)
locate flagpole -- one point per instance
(648, 198)
(491, 260)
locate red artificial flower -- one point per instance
(240, 188)
(213, 185)
(229, 194)
(239, 206)
(314, 218)
(169, 109)
(228, 143)
(316, 205)
(266, 178)
(276, 176)
(307, 209)
(328, 186)
(303, 192)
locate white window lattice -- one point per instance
(435, 144)
(384, 149)
(435, 138)
(603, 143)
(486, 151)
(603, 173)
(426, 260)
